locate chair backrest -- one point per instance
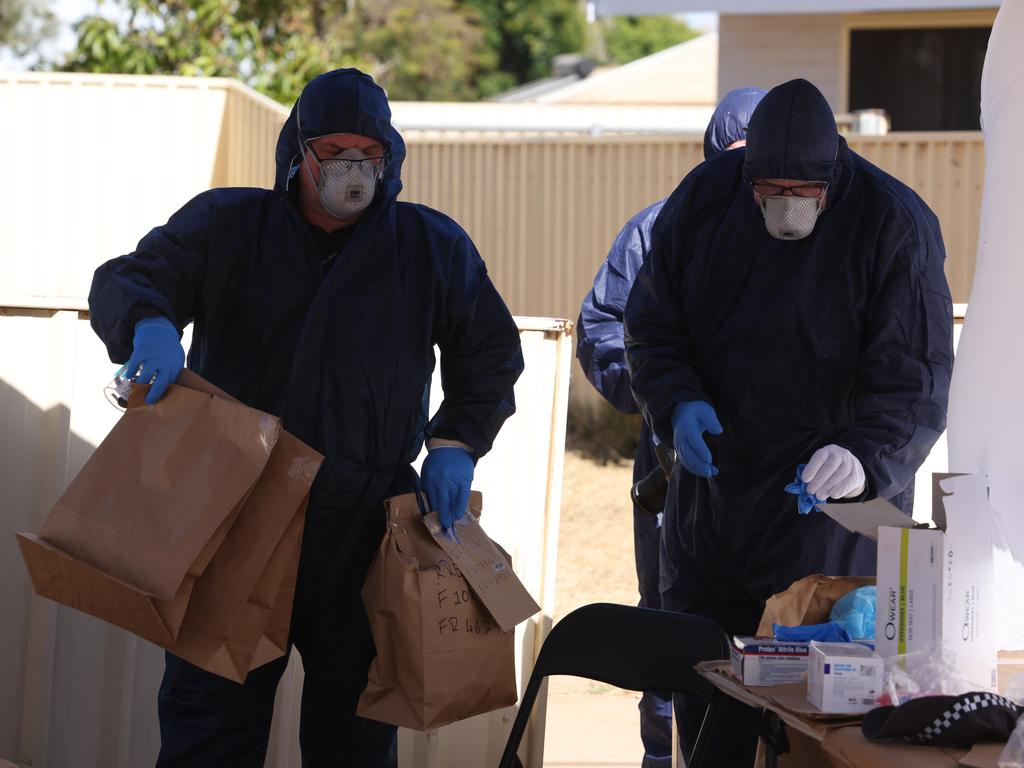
(638, 649)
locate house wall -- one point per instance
(768, 49)
(765, 50)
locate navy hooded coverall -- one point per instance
(842, 337)
(601, 350)
(342, 349)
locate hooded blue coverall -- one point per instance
(601, 351)
(336, 335)
(843, 337)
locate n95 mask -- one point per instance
(789, 217)
(347, 183)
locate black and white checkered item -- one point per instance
(945, 720)
(971, 702)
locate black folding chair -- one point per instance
(638, 649)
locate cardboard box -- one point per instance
(843, 677)
(766, 661)
(935, 584)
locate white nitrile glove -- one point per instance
(834, 473)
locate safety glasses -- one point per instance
(814, 189)
(376, 160)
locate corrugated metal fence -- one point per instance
(90, 163)
(544, 212)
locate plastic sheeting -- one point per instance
(986, 414)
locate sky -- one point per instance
(70, 11)
(705, 22)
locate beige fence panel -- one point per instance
(252, 124)
(75, 691)
(544, 212)
(947, 170)
(91, 162)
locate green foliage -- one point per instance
(176, 37)
(523, 36)
(24, 24)
(416, 49)
(632, 37)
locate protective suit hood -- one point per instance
(730, 119)
(793, 135)
(341, 101)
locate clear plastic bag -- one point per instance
(1015, 689)
(929, 672)
(1013, 754)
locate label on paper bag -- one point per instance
(486, 569)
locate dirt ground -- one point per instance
(590, 725)
(595, 542)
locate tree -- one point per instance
(523, 36)
(427, 50)
(632, 37)
(24, 24)
(417, 49)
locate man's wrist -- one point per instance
(441, 442)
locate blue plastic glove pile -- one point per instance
(157, 350)
(447, 476)
(690, 421)
(805, 500)
(855, 612)
(852, 618)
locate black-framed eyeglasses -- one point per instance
(376, 159)
(814, 189)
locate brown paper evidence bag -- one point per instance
(443, 614)
(184, 528)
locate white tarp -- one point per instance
(986, 413)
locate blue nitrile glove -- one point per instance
(805, 501)
(855, 612)
(690, 421)
(830, 632)
(157, 348)
(447, 475)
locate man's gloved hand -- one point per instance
(834, 473)
(157, 349)
(447, 475)
(690, 421)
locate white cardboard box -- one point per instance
(935, 585)
(766, 661)
(843, 677)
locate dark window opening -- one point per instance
(926, 79)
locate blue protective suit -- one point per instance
(601, 351)
(842, 337)
(343, 350)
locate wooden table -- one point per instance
(827, 741)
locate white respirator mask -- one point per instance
(789, 217)
(347, 182)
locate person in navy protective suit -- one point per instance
(601, 350)
(321, 302)
(793, 311)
